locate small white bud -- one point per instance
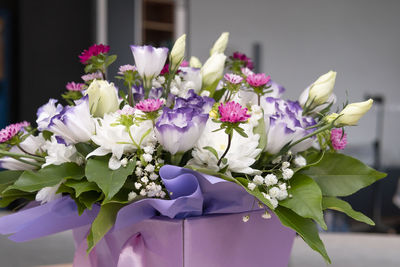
(287, 174)
(138, 185)
(131, 196)
(147, 157)
(274, 192)
(145, 179)
(143, 192)
(251, 186)
(258, 180)
(149, 168)
(300, 161)
(285, 165)
(270, 179)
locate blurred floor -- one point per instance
(345, 250)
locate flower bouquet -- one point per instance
(145, 176)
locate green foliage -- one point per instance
(334, 203)
(260, 130)
(103, 223)
(306, 200)
(7, 178)
(341, 175)
(31, 181)
(109, 181)
(218, 94)
(84, 148)
(82, 186)
(13, 194)
(306, 228)
(212, 150)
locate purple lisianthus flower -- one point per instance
(46, 112)
(285, 123)
(138, 93)
(202, 104)
(178, 129)
(74, 124)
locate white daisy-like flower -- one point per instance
(58, 152)
(239, 157)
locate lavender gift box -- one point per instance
(215, 240)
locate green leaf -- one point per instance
(109, 181)
(341, 175)
(334, 203)
(89, 198)
(14, 194)
(51, 175)
(110, 59)
(260, 130)
(306, 200)
(7, 178)
(212, 150)
(84, 148)
(82, 186)
(218, 94)
(103, 223)
(306, 228)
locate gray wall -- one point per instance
(302, 39)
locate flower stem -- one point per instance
(322, 129)
(17, 155)
(26, 152)
(176, 158)
(227, 149)
(130, 94)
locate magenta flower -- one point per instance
(11, 130)
(94, 50)
(125, 68)
(232, 112)
(244, 58)
(258, 80)
(233, 78)
(91, 76)
(149, 105)
(338, 139)
(185, 64)
(72, 86)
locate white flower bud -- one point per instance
(147, 157)
(220, 44)
(195, 62)
(138, 185)
(131, 196)
(103, 98)
(353, 112)
(274, 192)
(149, 168)
(285, 165)
(177, 52)
(213, 69)
(321, 89)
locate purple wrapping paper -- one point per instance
(212, 241)
(161, 241)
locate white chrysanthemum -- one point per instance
(114, 138)
(58, 153)
(241, 155)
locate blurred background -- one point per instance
(294, 41)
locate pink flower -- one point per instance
(338, 139)
(125, 68)
(94, 50)
(185, 63)
(149, 105)
(126, 110)
(11, 130)
(165, 69)
(72, 86)
(233, 78)
(257, 80)
(246, 71)
(92, 76)
(232, 112)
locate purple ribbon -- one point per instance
(192, 194)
